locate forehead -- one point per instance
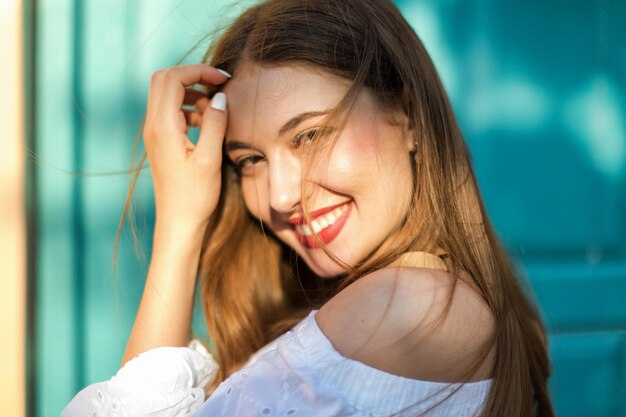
(261, 98)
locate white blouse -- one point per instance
(300, 374)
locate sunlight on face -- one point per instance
(357, 196)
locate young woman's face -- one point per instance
(357, 196)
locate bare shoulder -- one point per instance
(393, 320)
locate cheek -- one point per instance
(252, 196)
(355, 158)
(372, 165)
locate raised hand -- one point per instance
(186, 177)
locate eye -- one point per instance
(306, 137)
(244, 163)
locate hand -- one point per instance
(187, 177)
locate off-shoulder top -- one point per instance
(298, 374)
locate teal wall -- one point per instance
(539, 88)
(540, 91)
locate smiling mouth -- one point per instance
(327, 226)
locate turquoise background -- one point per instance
(539, 88)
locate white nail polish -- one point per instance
(221, 71)
(219, 101)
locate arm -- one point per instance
(164, 316)
(159, 379)
(186, 186)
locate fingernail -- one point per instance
(219, 101)
(221, 71)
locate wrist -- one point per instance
(178, 241)
(179, 231)
(175, 254)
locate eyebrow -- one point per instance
(292, 123)
(233, 145)
(296, 120)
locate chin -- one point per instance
(344, 248)
(326, 268)
(323, 265)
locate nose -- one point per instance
(284, 183)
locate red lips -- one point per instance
(328, 234)
(300, 220)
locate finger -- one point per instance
(193, 118)
(200, 105)
(192, 96)
(188, 75)
(204, 74)
(203, 104)
(212, 131)
(174, 80)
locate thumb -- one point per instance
(212, 130)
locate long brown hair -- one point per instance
(254, 288)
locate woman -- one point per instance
(331, 214)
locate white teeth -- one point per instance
(304, 230)
(316, 226)
(322, 222)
